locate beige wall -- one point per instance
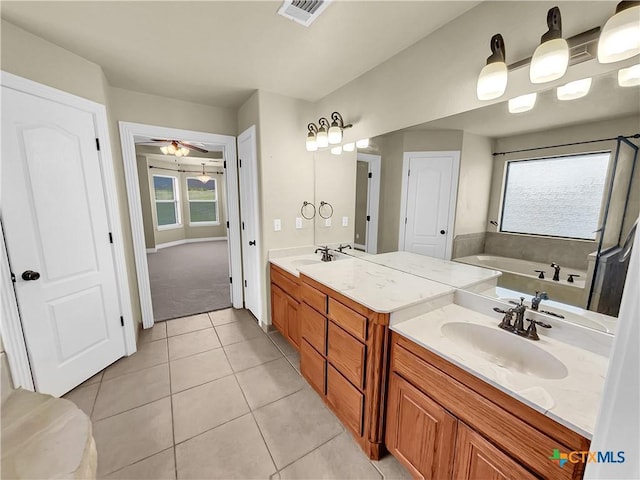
(474, 184)
(145, 201)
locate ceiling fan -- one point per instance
(175, 147)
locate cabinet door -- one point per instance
(420, 433)
(478, 459)
(279, 309)
(293, 322)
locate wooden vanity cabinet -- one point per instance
(343, 356)
(441, 417)
(285, 303)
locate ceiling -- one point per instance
(218, 53)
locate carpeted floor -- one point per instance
(189, 279)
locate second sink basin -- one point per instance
(506, 349)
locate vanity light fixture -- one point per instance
(349, 147)
(629, 77)
(364, 143)
(551, 58)
(322, 137)
(337, 126)
(312, 144)
(523, 103)
(336, 150)
(573, 90)
(204, 178)
(492, 81)
(620, 37)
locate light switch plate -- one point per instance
(345, 221)
(277, 225)
(327, 222)
(298, 222)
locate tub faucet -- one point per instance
(535, 301)
(326, 256)
(556, 274)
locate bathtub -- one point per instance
(520, 275)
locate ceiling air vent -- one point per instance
(303, 12)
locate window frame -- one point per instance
(215, 202)
(175, 201)
(552, 157)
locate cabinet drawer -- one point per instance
(352, 322)
(346, 354)
(314, 328)
(346, 400)
(314, 297)
(313, 367)
(286, 282)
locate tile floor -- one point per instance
(213, 396)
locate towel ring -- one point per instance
(322, 204)
(305, 204)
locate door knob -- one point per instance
(252, 242)
(442, 232)
(30, 275)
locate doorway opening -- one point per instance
(367, 203)
(191, 224)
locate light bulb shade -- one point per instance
(164, 150)
(522, 103)
(335, 134)
(573, 90)
(620, 37)
(549, 61)
(184, 151)
(492, 81)
(364, 143)
(322, 139)
(172, 148)
(336, 150)
(178, 152)
(629, 77)
(349, 147)
(312, 145)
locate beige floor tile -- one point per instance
(161, 466)
(295, 425)
(132, 390)
(228, 315)
(157, 332)
(95, 379)
(197, 369)
(251, 353)
(202, 408)
(132, 436)
(294, 360)
(282, 343)
(84, 397)
(233, 450)
(148, 355)
(239, 331)
(269, 382)
(391, 468)
(188, 324)
(193, 342)
(337, 459)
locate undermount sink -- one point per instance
(304, 261)
(506, 349)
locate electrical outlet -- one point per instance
(327, 222)
(345, 221)
(277, 225)
(298, 222)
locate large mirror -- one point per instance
(497, 199)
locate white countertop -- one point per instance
(377, 287)
(450, 273)
(572, 401)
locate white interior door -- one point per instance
(428, 201)
(56, 225)
(248, 171)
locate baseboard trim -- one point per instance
(152, 250)
(188, 240)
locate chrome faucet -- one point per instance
(326, 256)
(535, 301)
(343, 247)
(556, 274)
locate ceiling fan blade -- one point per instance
(157, 143)
(192, 147)
(161, 140)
